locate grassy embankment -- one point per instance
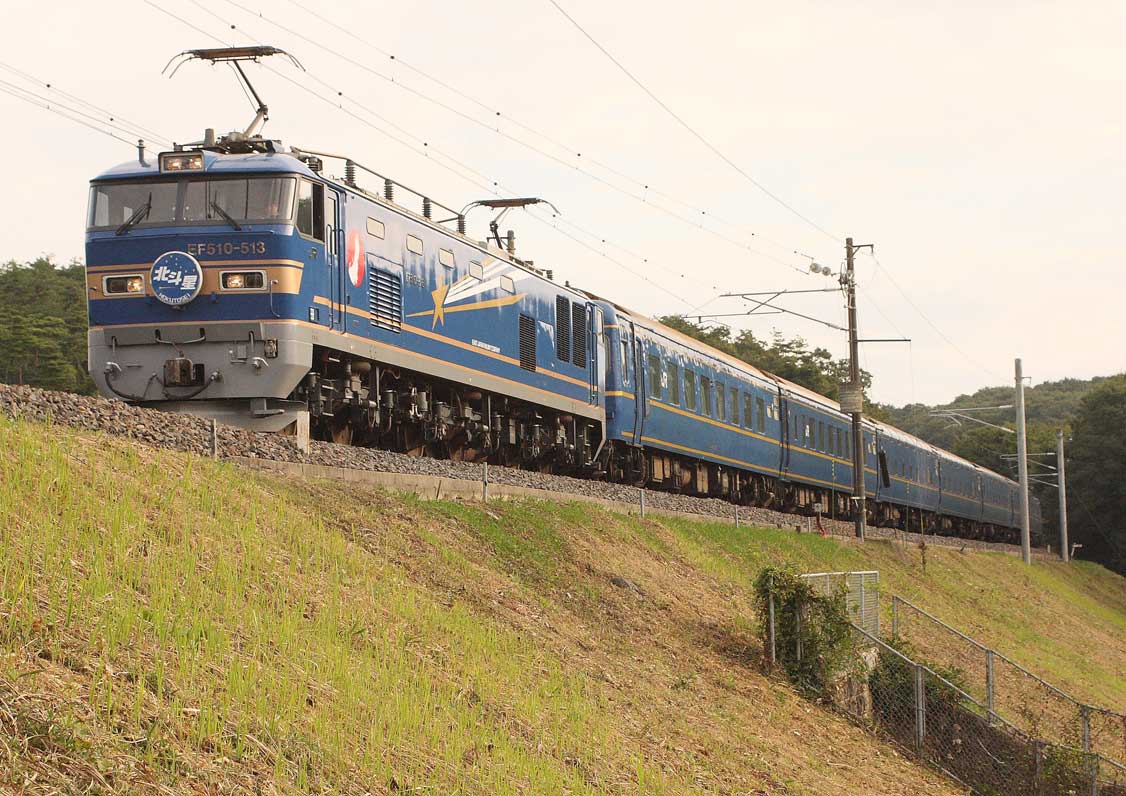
(169, 622)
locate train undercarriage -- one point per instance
(355, 401)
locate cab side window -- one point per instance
(311, 210)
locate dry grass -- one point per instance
(168, 624)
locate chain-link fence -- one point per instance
(941, 723)
(1008, 690)
(926, 709)
(861, 591)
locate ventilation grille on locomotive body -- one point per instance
(563, 328)
(385, 297)
(527, 342)
(578, 334)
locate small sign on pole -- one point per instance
(852, 398)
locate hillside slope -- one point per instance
(172, 624)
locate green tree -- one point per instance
(1097, 474)
(43, 334)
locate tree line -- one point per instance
(43, 327)
(43, 343)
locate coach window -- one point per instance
(414, 244)
(477, 271)
(720, 401)
(689, 390)
(748, 411)
(674, 384)
(446, 257)
(654, 377)
(706, 395)
(733, 406)
(376, 228)
(760, 405)
(311, 210)
(625, 359)
(821, 435)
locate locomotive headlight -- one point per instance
(181, 161)
(118, 285)
(244, 280)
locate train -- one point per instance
(234, 278)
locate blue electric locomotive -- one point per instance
(233, 278)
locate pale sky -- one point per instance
(979, 146)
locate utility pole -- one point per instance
(1022, 468)
(856, 395)
(852, 391)
(1061, 482)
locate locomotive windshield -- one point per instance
(263, 199)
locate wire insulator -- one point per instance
(350, 173)
(388, 190)
(425, 207)
(461, 224)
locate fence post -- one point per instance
(214, 438)
(1093, 764)
(989, 684)
(894, 616)
(860, 603)
(876, 608)
(736, 515)
(1038, 747)
(1085, 718)
(773, 652)
(797, 635)
(920, 708)
(485, 485)
(642, 502)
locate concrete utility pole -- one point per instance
(1061, 482)
(859, 509)
(852, 391)
(1022, 468)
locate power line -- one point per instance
(694, 223)
(12, 87)
(645, 185)
(111, 116)
(46, 104)
(932, 324)
(693, 131)
(495, 187)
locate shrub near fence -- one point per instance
(925, 710)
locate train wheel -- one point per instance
(341, 431)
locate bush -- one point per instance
(818, 625)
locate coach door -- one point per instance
(640, 385)
(596, 345)
(787, 436)
(333, 248)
